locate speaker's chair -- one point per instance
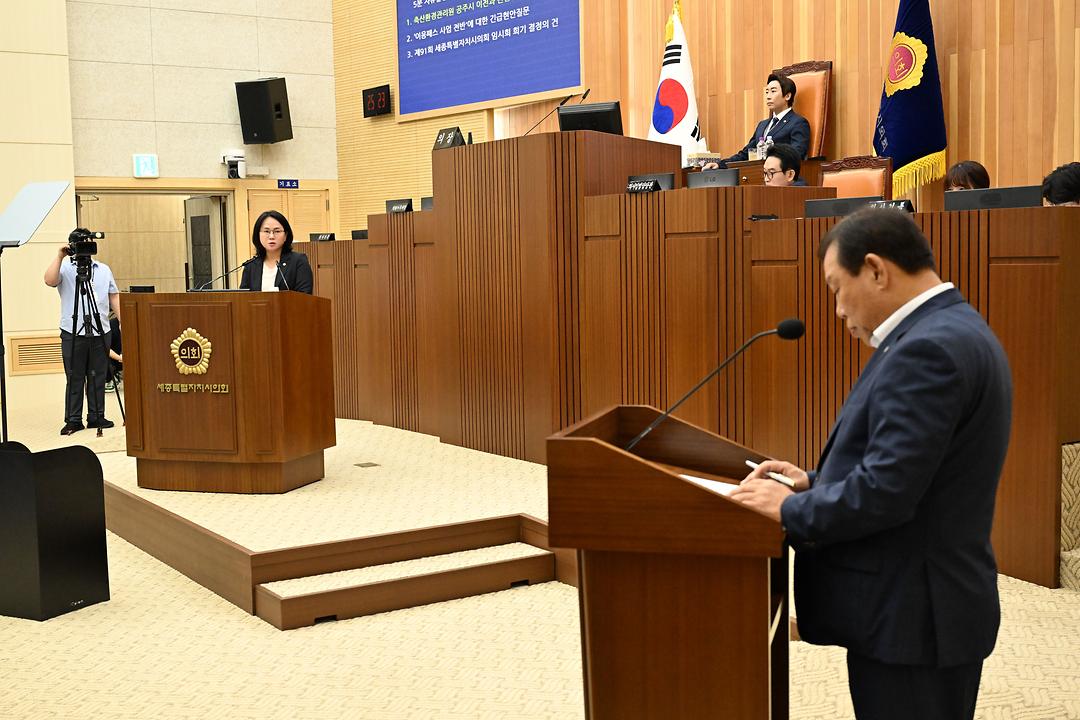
(859, 176)
(811, 80)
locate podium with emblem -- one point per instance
(227, 391)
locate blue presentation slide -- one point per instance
(458, 52)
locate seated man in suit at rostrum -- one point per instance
(892, 531)
(782, 167)
(783, 125)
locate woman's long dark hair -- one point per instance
(259, 249)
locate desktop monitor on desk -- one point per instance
(990, 198)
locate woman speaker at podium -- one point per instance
(281, 268)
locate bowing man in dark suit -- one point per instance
(892, 532)
(281, 268)
(784, 125)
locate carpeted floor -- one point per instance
(165, 647)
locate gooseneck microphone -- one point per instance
(790, 329)
(564, 101)
(211, 281)
(283, 280)
(584, 95)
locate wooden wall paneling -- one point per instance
(402, 283)
(448, 404)
(542, 361)
(1069, 326)
(690, 278)
(357, 288)
(489, 252)
(381, 357)
(691, 320)
(426, 290)
(772, 380)
(1026, 501)
(602, 350)
(643, 304)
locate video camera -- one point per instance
(82, 243)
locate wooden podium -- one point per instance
(228, 391)
(683, 591)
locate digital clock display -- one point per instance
(377, 101)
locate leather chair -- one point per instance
(859, 176)
(812, 80)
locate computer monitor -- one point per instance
(601, 117)
(836, 207)
(713, 178)
(988, 198)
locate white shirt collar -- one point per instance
(883, 330)
(780, 115)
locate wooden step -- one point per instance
(300, 602)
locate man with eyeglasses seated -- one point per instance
(782, 166)
(281, 268)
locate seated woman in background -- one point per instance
(281, 268)
(967, 175)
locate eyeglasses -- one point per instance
(272, 233)
(769, 174)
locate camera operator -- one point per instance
(86, 358)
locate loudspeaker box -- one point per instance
(264, 110)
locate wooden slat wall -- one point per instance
(475, 309)
(1009, 74)
(1007, 263)
(672, 271)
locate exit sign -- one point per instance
(144, 165)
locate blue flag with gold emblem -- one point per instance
(910, 125)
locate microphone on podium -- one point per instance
(790, 329)
(584, 95)
(211, 281)
(564, 101)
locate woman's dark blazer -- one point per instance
(295, 269)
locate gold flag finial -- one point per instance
(669, 31)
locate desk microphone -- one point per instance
(564, 101)
(283, 280)
(585, 95)
(211, 281)
(790, 329)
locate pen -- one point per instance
(782, 479)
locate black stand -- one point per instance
(53, 555)
(91, 321)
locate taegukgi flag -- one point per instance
(675, 113)
(910, 125)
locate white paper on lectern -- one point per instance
(716, 486)
(28, 210)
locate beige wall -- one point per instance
(157, 76)
(145, 240)
(379, 158)
(35, 145)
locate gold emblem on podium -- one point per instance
(191, 351)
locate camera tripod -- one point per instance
(91, 323)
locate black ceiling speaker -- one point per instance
(264, 111)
